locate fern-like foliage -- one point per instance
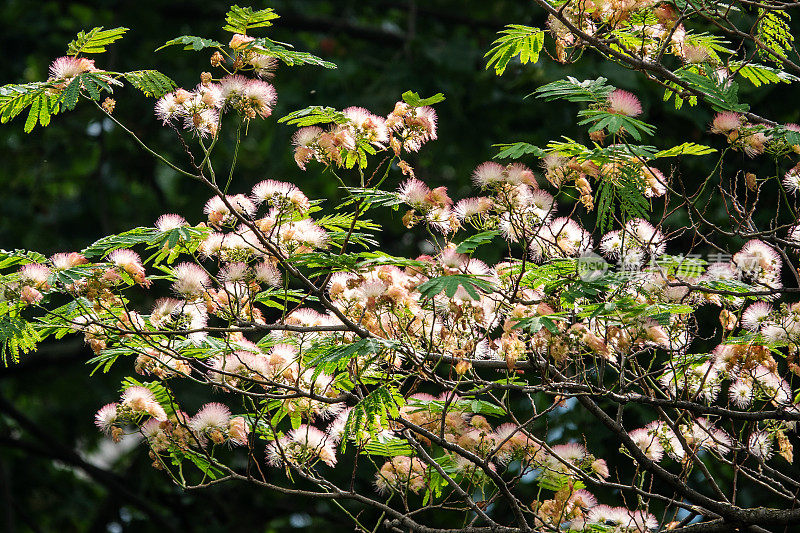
(19, 257)
(15, 98)
(17, 335)
(517, 150)
(94, 41)
(43, 99)
(241, 19)
(775, 32)
(450, 284)
(126, 239)
(414, 100)
(313, 115)
(191, 42)
(42, 106)
(601, 119)
(760, 75)
(283, 52)
(685, 149)
(515, 40)
(622, 195)
(150, 82)
(721, 94)
(372, 413)
(573, 90)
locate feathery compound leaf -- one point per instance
(390, 447)
(15, 98)
(413, 99)
(469, 244)
(17, 335)
(759, 75)
(625, 193)
(775, 32)
(517, 150)
(575, 91)
(515, 40)
(335, 359)
(372, 413)
(19, 257)
(240, 19)
(271, 48)
(190, 42)
(150, 82)
(123, 240)
(721, 94)
(450, 285)
(685, 149)
(94, 41)
(95, 83)
(614, 122)
(314, 115)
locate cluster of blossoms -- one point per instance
(248, 54)
(64, 69)
(740, 134)
(406, 128)
(560, 170)
(445, 320)
(165, 432)
(199, 110)
(656, 26)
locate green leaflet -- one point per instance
(469, 244)
(314, 115)
(372, 413)
(572, 90)
(337, 358)
(450, 284)
(517, 150)
(413, 99)
(775, 32)
(241, 19)
(150, 82)
(126, 239)
(391, 447)
(19, 257)
(515, 40)
(94, 41)
(623, 194)
(280, 51)
(760, 75)
(615, 123)
(685, 149)
(17, 334)
(191, 42)
(722, 95)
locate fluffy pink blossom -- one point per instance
(624, 103)
(130, 262)
(105, 417)
(190, 280)
(170, 221)
(488, 173)
(726, 122)
(142, 400)
(211, 416)
(69, 67)
(67, 260)
(414, 192)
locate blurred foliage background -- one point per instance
(65, 186)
